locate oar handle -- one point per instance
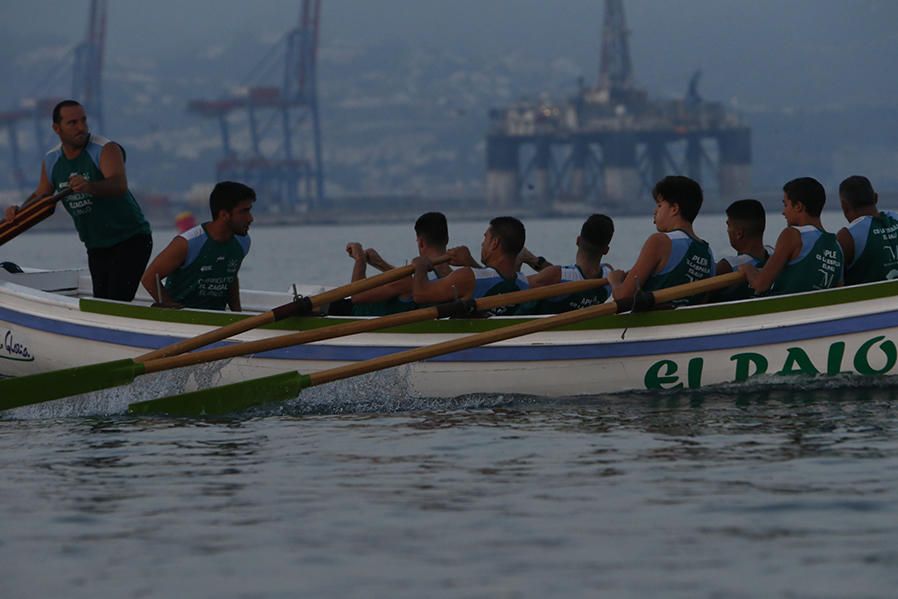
(298, 307)
(29, 215)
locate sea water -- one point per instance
(358, 490)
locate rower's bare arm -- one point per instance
(847, 242)
(115, 181)
(723, 267)
(461, 256)
(788, 245)
(375, 260)
(360, 264)
(653, 254)
(547, 276)
(167, 262)
(234, 295)
(459, 284)
(384, 292)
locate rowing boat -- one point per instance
(48, 321)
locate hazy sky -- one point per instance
(764, 53)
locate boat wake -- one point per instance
(391, 391)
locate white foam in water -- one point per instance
(114, 401)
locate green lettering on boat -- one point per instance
(798, 362)
(654, 379)
(694, 371)
(743, 363)
(834, 358)
(861, 358)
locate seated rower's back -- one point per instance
(674, 255)
(806, 257)
(746, 221)
(592, 244)
(870, 241)
(503, 240)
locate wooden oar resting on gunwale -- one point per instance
(47, 386)
(29, 215)
(246, 394)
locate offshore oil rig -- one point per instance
(608, 144)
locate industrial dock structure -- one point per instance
(608, 144)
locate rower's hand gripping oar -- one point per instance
(38, 388)
(246, 394)
(30, 214)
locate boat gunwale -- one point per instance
(662, 317)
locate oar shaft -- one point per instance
(517, 330)
(295, 308)
(454, 345)
(365, 326)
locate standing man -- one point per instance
(106, 215)
(200, 265)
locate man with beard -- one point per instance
(106, 215)
(200, 265)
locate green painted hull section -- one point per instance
(37, 388)
(714, 312)
(226, 399)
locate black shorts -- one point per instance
(116, 270)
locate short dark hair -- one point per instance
(227, 194)
(57, 110)
(682, 191)
(750, 215)
(510, 232)
(807, 191)
(596, 233)
(857, 191)
(433, 229)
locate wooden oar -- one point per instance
(39, 388)
(298, 307)
(29, 215)
(246, 394)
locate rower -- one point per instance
(200, 265)
(805, 257)
(592, 244)
(503, 240)
(675, 254)
(432, 237)
(108, 219)
(746, 221)
(870, 241)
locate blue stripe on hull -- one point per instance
(785, 334)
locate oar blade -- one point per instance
(47, 386)
(226, 399)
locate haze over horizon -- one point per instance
(768, 59)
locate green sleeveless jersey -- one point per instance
(209, 270)
(818, 266)
(690, 260)
(101, 222)
(875, 249)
